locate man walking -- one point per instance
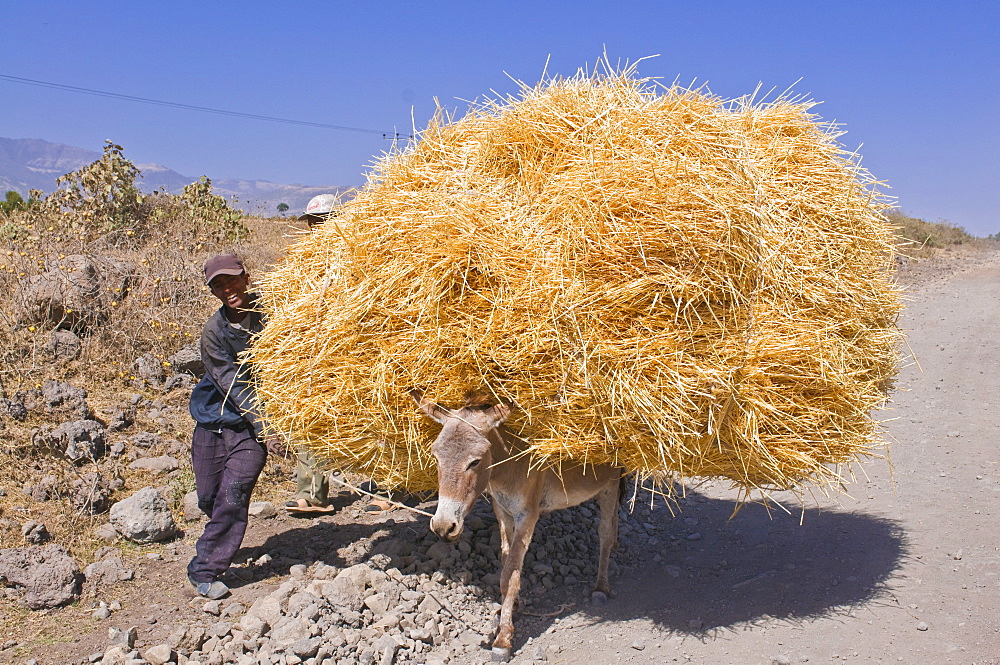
(227, 448)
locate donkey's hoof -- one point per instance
(598, 598)
(501, 655)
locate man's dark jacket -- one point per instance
(225, 396)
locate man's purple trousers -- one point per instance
(226, 466)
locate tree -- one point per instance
(14, 201)
(282, 207)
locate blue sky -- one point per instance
(915, 84)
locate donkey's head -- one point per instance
(465, 452)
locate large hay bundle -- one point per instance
(659, 279)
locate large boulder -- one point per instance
(75, 292)
(48, 575)
(144, 517)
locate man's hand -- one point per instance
(276, 446)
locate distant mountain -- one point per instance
(35, 164)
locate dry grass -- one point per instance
(658, 278)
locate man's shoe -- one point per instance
(211, 590)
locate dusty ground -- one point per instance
(904, 568)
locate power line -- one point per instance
(203, 109)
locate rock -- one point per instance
(175, 381)
(12, 408)
(348, 588)
(212, 607)
(386, 647)
(108, 571)
(45, 489)
(290, 630)
(263, 510)
(149, 369)
(107, 532)
(48, 574)
(59, 396)
(638, 644)
(146, 440)
(158, 655)
(31, 398)
(188, 360)
(922, 626)
(79, 440)
(144, 517)
(161, 464)
(64, 345)
(116, 655)
(124, 638)
(123, 417)
(75, 292)
(439, 551)
(101, 613)
(188, 638)
(378, 603)
(234, 609)
(35, 532)
(91, 493)
(781, 659)
(267, 609)
(305, 647)
(189, 508)
(253, 626)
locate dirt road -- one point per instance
(904, 570)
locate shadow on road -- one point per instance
(700, 572)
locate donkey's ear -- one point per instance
(433, 410)
(498, 413)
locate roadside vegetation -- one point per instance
(138, 259)
(918, 237)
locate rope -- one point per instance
(380, 497)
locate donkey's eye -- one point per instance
(473, 464)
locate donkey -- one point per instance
(475, 453)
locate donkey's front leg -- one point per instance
(510, 582)
(607, 499)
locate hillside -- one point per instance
(27, 164)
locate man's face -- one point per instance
(231, 290)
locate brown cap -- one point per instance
(223, 264)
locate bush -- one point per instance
(102, 202)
